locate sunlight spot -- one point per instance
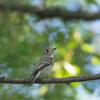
(88, 48)
(70, 68)
(57, 69)
(77, 36)
(94, 60)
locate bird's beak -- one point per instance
(53, 49)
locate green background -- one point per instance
(24, 36)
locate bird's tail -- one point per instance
(33, 78)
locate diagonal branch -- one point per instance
(50, 12)
(50, 80)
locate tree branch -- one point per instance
(50, 12)
(50, 80)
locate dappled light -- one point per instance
(28, 27)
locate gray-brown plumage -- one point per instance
(44, 65)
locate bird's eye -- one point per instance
(47, 50)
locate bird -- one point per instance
(44, 65)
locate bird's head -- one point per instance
(49, 52)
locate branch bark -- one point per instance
(50, 12)
(50, 80)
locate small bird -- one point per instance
(44, 65)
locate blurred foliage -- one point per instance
(23, 37)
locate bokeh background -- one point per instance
(24, 36)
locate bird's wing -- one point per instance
(44, 62)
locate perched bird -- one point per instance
(44, 65)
